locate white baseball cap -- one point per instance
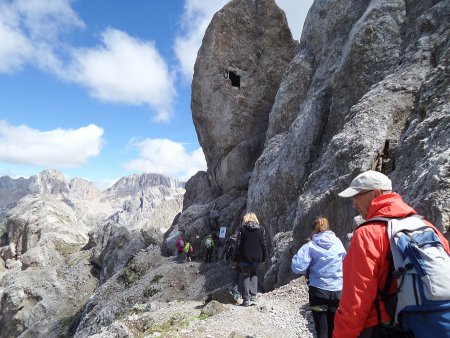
(369, 180)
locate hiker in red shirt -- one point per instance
(366, 266)
(180, 247)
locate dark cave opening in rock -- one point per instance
(235, 79)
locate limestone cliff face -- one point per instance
(43, 273)
(244, 53)
(368, 88)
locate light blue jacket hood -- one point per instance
(322, 256)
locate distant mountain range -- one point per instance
(130, 201)
(73, 234)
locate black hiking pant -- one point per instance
(249, 280)
(209, 254)
(323, 305)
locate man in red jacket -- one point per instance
(365, 267)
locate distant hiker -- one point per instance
(188, 249)
(180, 247)
(230, 246)
(217, 245)
(210, 247)
(322, 258)
(364, 309)
(250, 251)
(236, 269)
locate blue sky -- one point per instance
(100, 89)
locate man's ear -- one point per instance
(377, 192)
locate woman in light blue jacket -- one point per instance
(321, 258)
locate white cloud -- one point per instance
(166, 157)
(29, 31)
(15, 49)
(54, 148)
(46, 20)
(198, 14)
(121, 70)
(125, 70)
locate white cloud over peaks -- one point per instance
(166, 157)
(54, 148)
(125, 70)
(29, 32)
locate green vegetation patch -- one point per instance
(150, 291)
(156, 279)
(167, 326)
(66, 249)
(69, 252)
(133, 273)
(146, 325)
(202, 316)
(139, 308)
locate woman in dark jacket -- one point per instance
(250, 251)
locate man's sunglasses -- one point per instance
(362, 193)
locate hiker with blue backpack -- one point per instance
(396, 270)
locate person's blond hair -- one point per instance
(250, 217)
(320, 225)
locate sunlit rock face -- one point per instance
(47, 277)
(367, 88)
(245, 50)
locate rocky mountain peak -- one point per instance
(135, 183)
(84, 189)
(49, 181)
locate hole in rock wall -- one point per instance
(235, 79)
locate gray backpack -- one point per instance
(422, 270)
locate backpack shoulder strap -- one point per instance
(389, 219)
(374, 219)
(389, 300)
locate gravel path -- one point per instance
(281, 313)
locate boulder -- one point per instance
(238, 69)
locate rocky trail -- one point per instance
(283, 312)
